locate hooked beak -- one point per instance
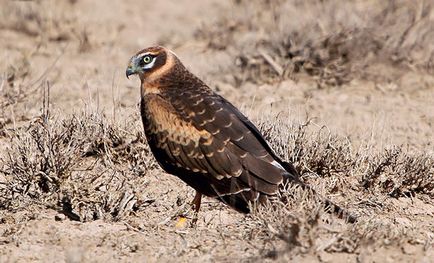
(131, 69)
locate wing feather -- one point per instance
(235, 143)
(215, 148)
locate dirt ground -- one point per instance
(343, 89)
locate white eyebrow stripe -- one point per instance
(141, 55)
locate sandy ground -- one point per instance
(81, 48)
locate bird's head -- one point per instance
(151, 63)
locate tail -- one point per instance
(294, 178)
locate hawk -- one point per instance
(200, 137)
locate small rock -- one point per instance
(59, 217)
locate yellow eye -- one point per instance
(147, 59)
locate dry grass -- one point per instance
(333, 41)
(98, 170)
(363, 182)
(83, 166)
(392, 171)
(15, 92)
(47, 20)
(12, 91)
(88, 168)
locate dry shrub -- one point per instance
(89, 168)
(16, 89)
(11, 88)
(296, 223)
(46, 19)
(293, 218)
(333, 41)
(318, 153)
(13, 92)
(401, 174)
(82, 165)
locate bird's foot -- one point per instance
(195, 218)
(185, 213)
(187, 218)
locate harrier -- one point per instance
(200, 137)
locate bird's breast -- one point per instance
(163, 123)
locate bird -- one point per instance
(203, 139)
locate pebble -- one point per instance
(59, 217)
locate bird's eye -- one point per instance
(147, 59)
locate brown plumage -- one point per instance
(200, 137)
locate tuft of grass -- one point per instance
(13, 92)
(331, 41)
(44, 21)
(296, 224)
(392, 171)
(362, 180)
(82, 166)
(401, 174)
(38, 19)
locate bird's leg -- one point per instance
(196, 205)
(196, 201)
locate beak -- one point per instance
(131, 69)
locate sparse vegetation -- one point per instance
(393, 171)
(38, 19)
(76, 173)
(276, 39)
(89, 169)
(82, 164)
